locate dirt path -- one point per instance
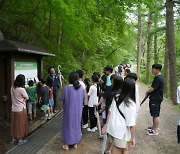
(165, 143)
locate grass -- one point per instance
(177, 107)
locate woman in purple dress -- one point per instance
(73, 96)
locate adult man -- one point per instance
(56, 84)
(156, 97)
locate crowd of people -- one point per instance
(114, 96)
(27, 99)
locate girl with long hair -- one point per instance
(121, 119)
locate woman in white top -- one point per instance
(122, 118)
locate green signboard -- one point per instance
(25, 65)
(28, 69)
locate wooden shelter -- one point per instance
(18, 58)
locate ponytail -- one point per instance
(76, 85)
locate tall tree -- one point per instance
(171, 48)
(139, 42)
(166, 68)
(149, 37)
(155, 38)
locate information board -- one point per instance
(28, 69)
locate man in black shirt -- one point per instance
(156, 97)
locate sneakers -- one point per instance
(152, 133)
(85, 126)
(49, 117)
(52, 114)
(23, 142)
(149, 128)
(92, 130)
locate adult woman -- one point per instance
(122, 118)
(19, 121)
(73, 96)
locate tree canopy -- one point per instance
(89, 34)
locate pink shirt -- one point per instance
(19, 97)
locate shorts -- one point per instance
(44, 107)
(51, 102)
(119, 143)
(31, 106)
(155, 108)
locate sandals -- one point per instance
(75, 146)
(65, 147)
(14, 142)
(23, 142)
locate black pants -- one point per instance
(93, 119)
(178, 133)
(85, 115)
(55, 95)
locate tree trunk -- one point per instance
(166, 68)
(1, 3)
(31, 22)
(171, 48)
(139, 44)
(143, 45)
(148, 47)
(49, 23)
(155, 40)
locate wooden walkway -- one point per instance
(40, 138)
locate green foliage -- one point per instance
(83, 34)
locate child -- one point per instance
(134, 76)
(121, 119)
(51, 100)
(44, 99)
(93, 100)
(31, 104)
(85, 108)
(156, 97)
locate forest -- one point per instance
(89, 34)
